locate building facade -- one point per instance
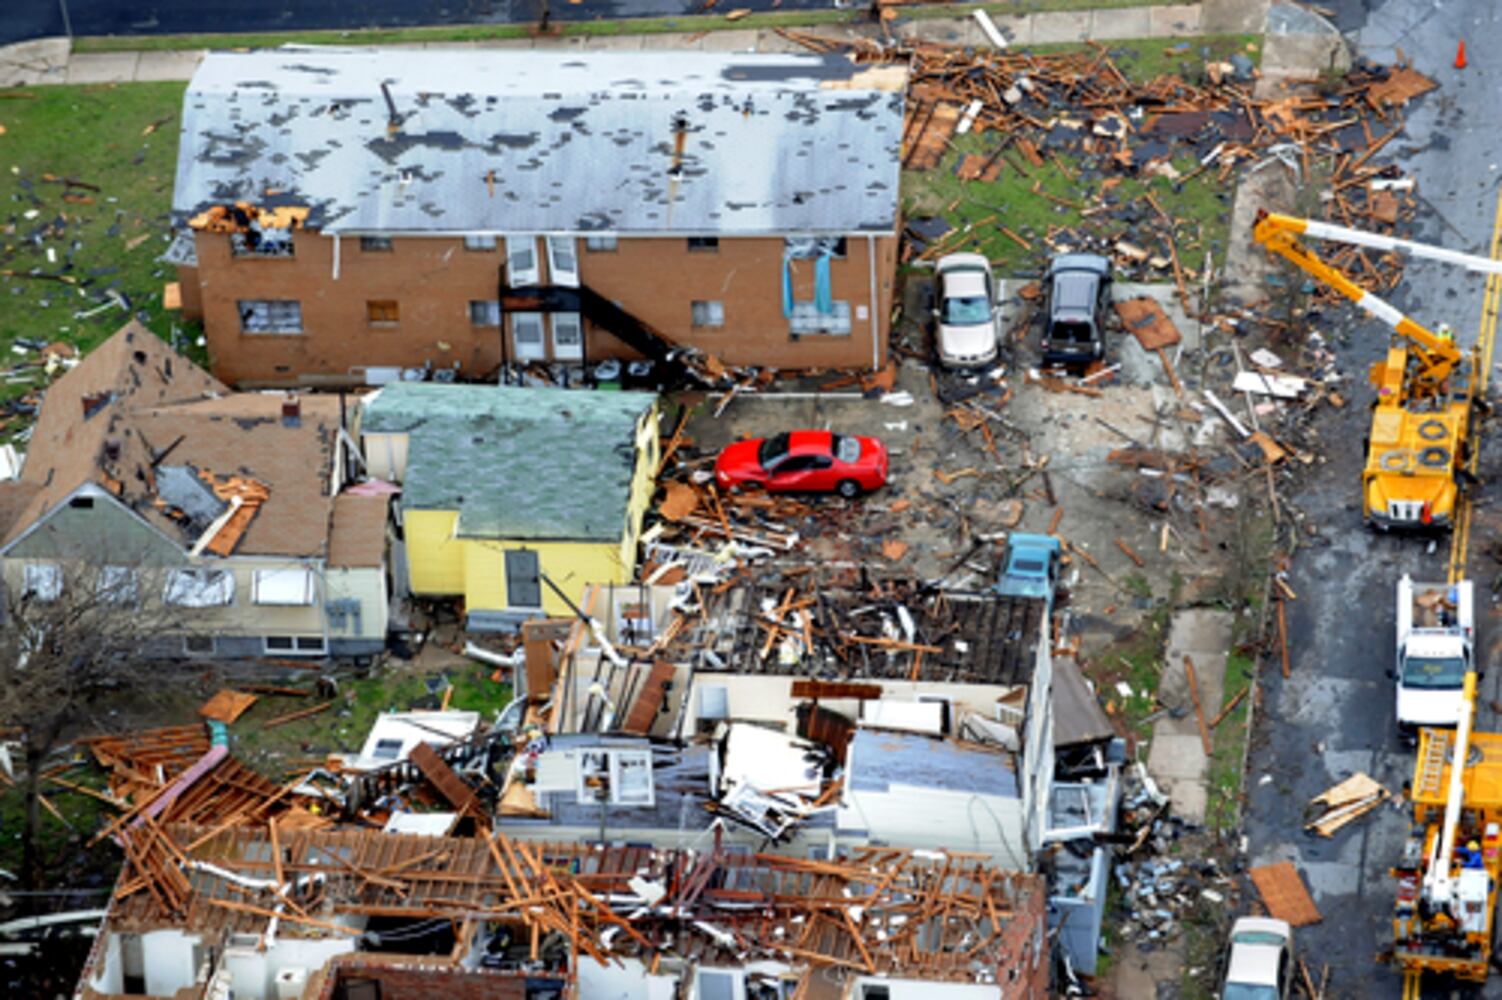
(351, 215)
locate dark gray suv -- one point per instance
(1079, 293)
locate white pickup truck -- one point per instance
(1436, 630)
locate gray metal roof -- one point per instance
(546, 142)
(516, 463)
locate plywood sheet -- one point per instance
(1283, 893)
(1146, 320)
(227, 706)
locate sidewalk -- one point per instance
(50, 60)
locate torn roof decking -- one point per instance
(972, 637)
(949, 907)
(448, 141)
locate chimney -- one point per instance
(291, 410)
(680, 139)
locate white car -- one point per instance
(968, 318)
(1259, 965)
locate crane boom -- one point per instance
(1440, 874)
(1436, 356)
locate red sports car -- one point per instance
(804, 462)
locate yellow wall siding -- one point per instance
(643, 486)
(435, 559)
(571, 565)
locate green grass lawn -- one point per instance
(343, 727)
(103, 239)
(686, 24)
(1063, 199)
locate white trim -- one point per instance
(294, 651)
(335, 276)
(872, 326)
(566, 277)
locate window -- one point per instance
(387, 749)
(283, 587)
(523, 579)
(808, 247)
(199, 588)
(295, 645)
(708, 313)
(117, 585)
(484, 312)
(806, 319)
(479, 243)
(261, 241)
(81, 503)
(600, 244)
(703, 244)
(620, 777)
(382, 312)
(270, 315)
(375, 244)
(563, 262)
(521, 261)
(44, 581)
(716, 985)
(199, 645)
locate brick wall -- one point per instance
(432, 281)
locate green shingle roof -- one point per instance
(514, 462)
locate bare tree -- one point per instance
(72, 635)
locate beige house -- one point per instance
(215, 517)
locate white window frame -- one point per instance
(707, 314)
(43, 581)
(534, 347)
(518, 249)
(568, 336)
(118, 585)
(601, 244)
(485, 312)
(270, 316)
(174, 590)
(613, 767)
(266, 586)
(480, 242)
(563, 261)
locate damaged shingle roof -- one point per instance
(516, 463)
(542, 142)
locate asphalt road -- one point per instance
(1335, 715)
(24, 19)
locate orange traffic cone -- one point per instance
(1460, 55)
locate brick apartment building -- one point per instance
(352, 213)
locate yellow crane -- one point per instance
(1447, 880)
(1421, 422)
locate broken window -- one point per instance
(375, 244)
(43, 581)
(199, 588)
(521, 261)
(484, 312)
(479, 243)
(261, 241)
(703, 244)
(600, 244)
(708, 313)
(270, 315)
(811, 247)
(382, 312)
(806, 319)
(117, 585)
(620, 777)
(283, 587)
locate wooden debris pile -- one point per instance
(1079, 114)
(941, 916)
